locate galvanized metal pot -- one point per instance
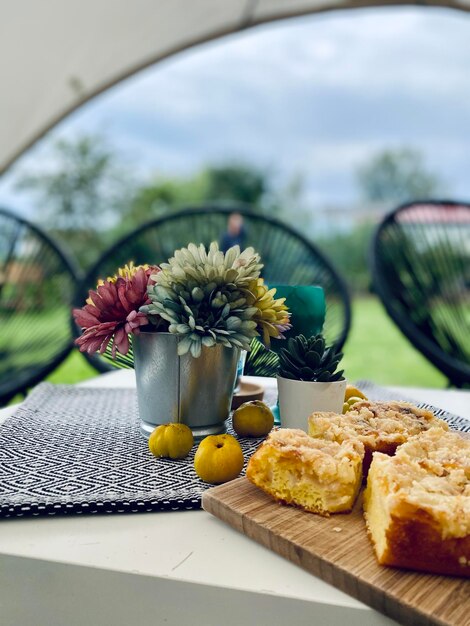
(171, 388)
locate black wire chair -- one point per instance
(420, 262)
(37, 284)
(288, 257)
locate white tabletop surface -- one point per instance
(165, 568)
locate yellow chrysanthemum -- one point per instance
(273, 316)
(128, 271)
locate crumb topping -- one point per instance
(374, 422)
(431, 472)
(328, 459)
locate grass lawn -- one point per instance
(74, 369)
(375, 350)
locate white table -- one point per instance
(172, 568)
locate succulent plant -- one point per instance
(309, 360)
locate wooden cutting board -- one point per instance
(337, 550)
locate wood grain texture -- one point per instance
(247, 392)
(343, 558)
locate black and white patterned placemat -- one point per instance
(77, 450)
(70, 450)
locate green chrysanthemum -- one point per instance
(203, 295)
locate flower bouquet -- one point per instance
(188, 319)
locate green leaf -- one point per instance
(337, 376)
(312, 359)
(173, 306)
(183, 329)
(197, 294)
(296, 350)
(328, 355)
(307, 373)
(261, 361)
(287, 363)
(324, 377)
(287, 374)
(291, 345)
(184, 345)
(317, 345)
(208, 341)
(330, 366)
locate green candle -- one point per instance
(307, 306)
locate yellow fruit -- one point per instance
(354, 399)
(253, 419)
(219, 458)
(352, 391)
(346, 407)
(172, 441)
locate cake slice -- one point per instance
(417, 504)
(380, 426)
(319, 476)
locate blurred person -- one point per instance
(235, 234)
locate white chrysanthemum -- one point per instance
(195, 266)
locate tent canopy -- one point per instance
(56, 55)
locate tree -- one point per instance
(349, 252)
(237, 182)
(156, 198)
(397, 176)
(229, 183)
(82, 193)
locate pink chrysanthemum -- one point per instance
(112, 311)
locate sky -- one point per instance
(314, 97)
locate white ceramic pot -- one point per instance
(299, 399)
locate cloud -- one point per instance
(316, 95)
